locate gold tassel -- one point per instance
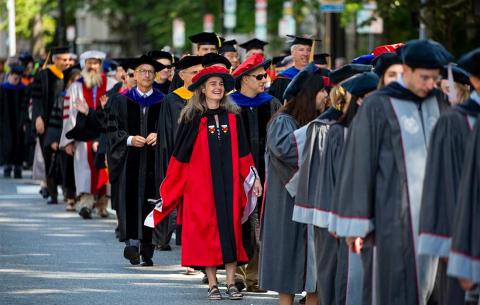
(45, 64)
(312, 52)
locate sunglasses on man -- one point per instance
(259, 76)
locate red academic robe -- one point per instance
(189, 182)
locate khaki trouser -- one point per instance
(249, 273)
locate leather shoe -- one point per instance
(52, 201)
(147, 261)
(256, 289)
(131, 253)
(164, 248)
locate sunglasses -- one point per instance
(259, 76)
(131, 75)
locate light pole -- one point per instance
(12, 40)
(422, 31)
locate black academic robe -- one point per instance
(278, 87)
(167, 129)
(176, 83)
(256, 120)
(440, 190)
(13, 114)
(162, 87)
(132, 168)
(464, 256)
(46, 88)
(380, 186)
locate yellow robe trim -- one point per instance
(56, 71)
(184, 93)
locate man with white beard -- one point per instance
(82, 143)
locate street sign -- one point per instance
(332, 6)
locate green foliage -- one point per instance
(25, 13)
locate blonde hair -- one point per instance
(197, 105)
(463, 92)
(338, 97)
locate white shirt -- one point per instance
(146, 94)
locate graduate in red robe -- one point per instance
(212, 174)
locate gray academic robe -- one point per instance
(380, 187)
(283, 241)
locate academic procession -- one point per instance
(254, 170)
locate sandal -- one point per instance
(233, 293)
(214, 293)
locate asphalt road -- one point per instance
(49, 256)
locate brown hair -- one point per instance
(303, 105)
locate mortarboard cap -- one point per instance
(147, 60)
(109, 65)
(424, 53)
(459, 75)
(253, 44)
(211, 59)
(363, 59)
(155, 54)
(228, 46)
(384, 61)
(302, 40)
(187, 62)
(125, 63)
(16, 69)
(207, 38)
(470, 62)
(321, 58)
(361, 84)
(277, 59)
(347, 71)
(310, 76)
(25, 57)
(59, 50)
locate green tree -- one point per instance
(33, 20)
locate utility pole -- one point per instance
(61, 23)
(422, 31)
(12, 39)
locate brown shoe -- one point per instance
(256, 289)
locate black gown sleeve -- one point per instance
(328, 172)
(440, 188)
(465, 253)
(354, 194)
(116, 135)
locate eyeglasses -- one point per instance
(146, 72)
(259, 76)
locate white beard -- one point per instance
(92, 79)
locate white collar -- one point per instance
(146, 94)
